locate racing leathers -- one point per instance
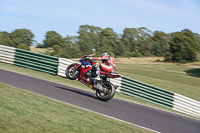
(109, 65)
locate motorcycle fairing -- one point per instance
(83, 79)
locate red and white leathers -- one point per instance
(109, 63)
(108, 67)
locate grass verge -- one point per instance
(23, 111)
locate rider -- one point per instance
(109, 66)
(109, 63)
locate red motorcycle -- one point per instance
(83, 71)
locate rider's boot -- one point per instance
(95, 76)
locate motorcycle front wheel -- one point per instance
(72, 74)
(108, 94)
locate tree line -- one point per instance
(182, 46)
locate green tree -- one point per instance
(89, 38)
(197, 37)
(119, 49)
(198, 40)
(158, 49)
(23, 46)
(69, 49)
(108, 44)
(143, 34)
(40, 45)
(144, 43)
(130, 38)
(56, 49)
(72, 49)
(183, 47)
(85, 43)
(53, 38)
(161, 43)
(5, 39)
(22, 36)
(136, 41)
(105, 46)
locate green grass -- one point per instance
(22, 111)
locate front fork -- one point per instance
(73, 69)
(76, 66)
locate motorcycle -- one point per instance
(105, 90)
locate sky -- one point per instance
(66, 16)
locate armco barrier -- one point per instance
(7, 54)
(186, 105)
(128, 86)
(36, 61)
(147, 92)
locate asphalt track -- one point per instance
(151, 118)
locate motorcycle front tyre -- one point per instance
(72, 75)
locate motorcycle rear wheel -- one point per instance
(108, 94)
(72, 74)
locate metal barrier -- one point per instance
(147, 92)
(36, 61)
(186, 105)
(160, 96)
(128, 86)
(7, 54)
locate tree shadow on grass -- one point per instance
(195, 72)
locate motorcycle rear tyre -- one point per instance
(109, 95)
